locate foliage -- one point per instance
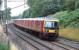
(68, 19)
(46, 7)
(0, 10)
(4, 46)
(70, 4)
(26, 14)
(0, 2)
(7, 14)
(43, 7)
(59, 14)
(73, 19)
(1, 14)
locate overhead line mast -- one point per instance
(5, 6)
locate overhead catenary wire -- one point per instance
(15, 1)
(18, 6)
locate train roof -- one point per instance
(46, 19)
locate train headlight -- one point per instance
(52, 31)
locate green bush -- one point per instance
(69, 19)
(4, 46)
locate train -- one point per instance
(44, 28)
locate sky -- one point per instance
(16, 11)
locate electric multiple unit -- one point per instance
(43, 27)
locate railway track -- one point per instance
(39, 44)
(17, 40)
(32, 42)
(69, 43)
(64, 46)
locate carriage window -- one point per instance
(55, 24)
(48, 24)
(51, 24)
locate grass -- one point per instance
(70, 33)
(3, 46)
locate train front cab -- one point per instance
(51, 29)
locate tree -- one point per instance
(26, 13)
(7, 14)
(69, 4)
(0, 10)
(44, 7)
(1, 15)
(47, 7)
(0, 2)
